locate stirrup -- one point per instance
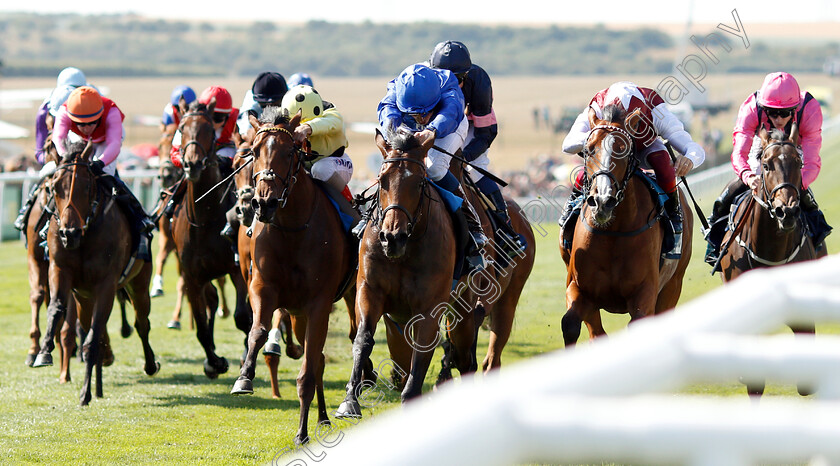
(513, 246)
(359, 230)
(479, 238)
(228, 233)
(146, 225)
(676, 251)
(19, 222)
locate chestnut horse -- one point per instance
(406, 260)
(494, 292)
(39, 265)
(203, 254)
(300, 255)
(615, 261)
(90, 260)
(169, 176)
(769, 231)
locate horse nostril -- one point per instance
(780, 212)
(402, 237)
(272, 203)
(590, 201)
(611, 203)
(255, 204)
(381, 236)
(795, 211)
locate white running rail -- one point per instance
(616, 399)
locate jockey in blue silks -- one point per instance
(429, 102)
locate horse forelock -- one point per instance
(778, 135)
(614, 113)
(274, 116)
(74, 150)
(403, 141)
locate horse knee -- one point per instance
(306, 386)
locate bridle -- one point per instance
(268, 175)
(412, 218)
(767, 196)
(204, 152)
(632, 163)
(92, 192)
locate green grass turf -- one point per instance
(181, 417)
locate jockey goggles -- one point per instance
(779, 112)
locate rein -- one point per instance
(205, 153)
(94, 206)
(269, 175)
(412, 218)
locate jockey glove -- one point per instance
(97, 167)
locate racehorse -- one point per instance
(38, 265)
(169, 176)
(768, 230)
(495, 292)
(203, 254)
(615, 260)
(406, 261)
(90, 260)
(301, 258)
(244, 169)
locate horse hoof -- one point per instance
(294, 351)
(154, 370)
(349, 409)
(156, 293)
(223, 313)
(43, 360)
(210, 371)
(174, 325)
(805, 390)
(30, 359)
(299, 440)
(108, 359)
(125, 331)
(242, 386)
(273, 348)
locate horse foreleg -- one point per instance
(68, 341)
(284, 324)
(263, 303)
(142, 308)
(165, 246)
(125, 328)
(463, 335)
(804, 332)
(369, 308)
(56, 312)
(38, 292)
(213, 364)
(310, 377)
(573, 318)
(243, 315)
(223, 310)
(423, 335)
(400, 356)
(97, 318)
(179, 302)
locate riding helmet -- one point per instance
(305, 99)
(182, 91)
(84, 105)
(300, 78)
(224, 103)
(418, 89)
(269, 87)
(780, 90)
(451, 55)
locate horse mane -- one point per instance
(274, 115)
(402, 139)
(614, 113)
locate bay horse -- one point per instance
(170, 175)
(203, 254)
(406, 262)
(615, 260)
(244, 169)
(768, 230)
(301, 258)
(90, 260)
(493, 293)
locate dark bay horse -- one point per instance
(169, 176)
(615, 261)
(300, 256)
(768, 229)
(90, 260)
(406, 260)
(203, 254)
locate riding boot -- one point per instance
(23, 216)
(177, 194)
(812, 214)
(512, 243)
(231, 227)
(672, 209)
(717, 219)
(130, 203)
(566, 227)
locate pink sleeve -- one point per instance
(113, 137)
(60, 130)
(742, 136)
(810, 134)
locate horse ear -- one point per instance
(182, 105)
(593, 118)
(381, 143)
(794, 134)
(428, 143)
(295, 121)
(764, 135)
(211, 107)
(88, 151)
(633, 120)
(254, 122)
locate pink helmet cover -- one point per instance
(780, 90)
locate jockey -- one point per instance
(656, 120)
(172, 111)
(224, 124)
(300, 78)
(323, 127)
(478, 97)
(430, 103)
(779, 104)
(68, 80)
(268, 89)
(88, 116)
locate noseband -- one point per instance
(205, 153)
(767, 196)
(268, 175)
(631, 167)
(412, 219)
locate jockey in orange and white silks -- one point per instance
(656, 121)
(224, 124)
(323, 126)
